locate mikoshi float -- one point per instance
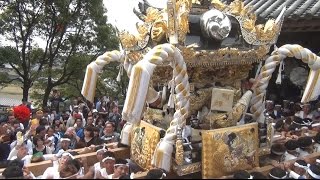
(185, 105)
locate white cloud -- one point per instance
(120, 13)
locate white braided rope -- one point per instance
(94, 68)
(269, 67)
(132, 110)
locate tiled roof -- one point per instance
(296, 9)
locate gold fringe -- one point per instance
(87, 83)
(313, 84)
(179, 152)
(135, 88)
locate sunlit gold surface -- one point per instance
(143, 146)
(220, 158)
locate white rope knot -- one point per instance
(120, 67)
(281, 68)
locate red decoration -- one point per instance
(22, 113)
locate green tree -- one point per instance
(69, 28)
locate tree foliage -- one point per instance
(72, 31)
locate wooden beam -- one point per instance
(38, 168)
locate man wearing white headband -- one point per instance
(108, 163)
(316, 144)
(299, 170)
(92, 173)
(64, 144)
(120, 169)
(313, 172)
(53, 172)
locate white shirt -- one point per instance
(288, 157)
(300, 115)
(302, 153)
(316, 147)
(104, 173)
(51, 173)
(97, 168)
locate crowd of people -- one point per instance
(50, 134)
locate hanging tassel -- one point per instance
(281, 68)
(171, 98)
(258, 70)
(120, 72)
(164, 95)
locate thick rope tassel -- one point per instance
(312, 90)
(137, 93)
(94, 68)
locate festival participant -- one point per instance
(71, 132)
(38, 142)
(58, 165)
(160, 174)
(92, 173)
(64, 144)
(306, 112)
(305, 146)
(313, 172)
(277, 173)
(108, 167)
(72, 170)
(258, 175)
(110, 136)
(88, 138)
(316, 145)
(277, 151)
(299, 170)
(120, 169)
(291, 153)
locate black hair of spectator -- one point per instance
(241, 174)
(305, 142)
(96, 129)
(109, 154)
(317, 138)
(155, 174)
(279, 124)
(302, 162)
(121, 161)
(90, 129)
(43, 122)
(13, 172)
(109, 122)
(258, 175)
(36, 138)
(16, 162)
(277, 173)
(294, 127)
(278, 149)
(291, 145)
(315, 169)
(40, 128)
(16, 121)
